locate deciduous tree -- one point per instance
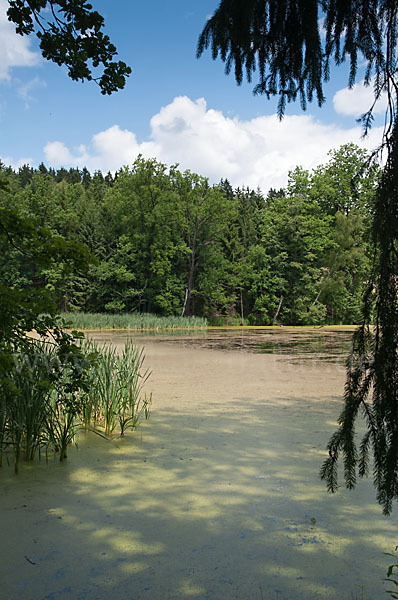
(70, 34)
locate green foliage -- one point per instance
(347, 182)
(70, 34)
(34, 377)
(296, 235)
(207, 218)
(24, 305)
(166, 242)
(346, 268)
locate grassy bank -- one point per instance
(132, 321)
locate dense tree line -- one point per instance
(167, 242)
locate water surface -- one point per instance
(302, 343)
(217, 497)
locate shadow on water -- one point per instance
(205, 503)
(207, 518)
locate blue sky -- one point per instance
(174, 107)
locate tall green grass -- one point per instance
(133, 321)
(39, 413)
(116, 397)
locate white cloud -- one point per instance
(25, 91)
(111, 149)
(257, 152)
(14, 49)
(8, 161)
(321, 27)
(116, 147)
(58, 155)
(358, 100)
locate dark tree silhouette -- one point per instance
(70, 34)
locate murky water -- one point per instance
(217, 497)
(317, 343)
(301, 343)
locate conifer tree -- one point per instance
(281, 41)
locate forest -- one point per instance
(167, 242)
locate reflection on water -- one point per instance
(328, 345)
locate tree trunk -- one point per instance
(278, 310)
(241, 307)
(185, 302)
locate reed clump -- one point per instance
(132, 321)
(41, 411)
(115, 396)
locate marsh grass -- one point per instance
(24, 407)
(39, 412)
(116, 396)
(132, 321)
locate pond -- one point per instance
(297, 343)
(216, 497)
(330, 344)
